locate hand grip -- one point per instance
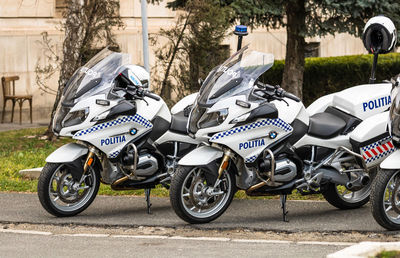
(291, 96)
(266, 86)
(150, 95)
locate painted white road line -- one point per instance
(324, 243)
(214, 239)
(263, 241)
(30, 232)
(84, 235)
(219, 239)
(141, 236)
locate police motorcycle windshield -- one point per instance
(94, 78)
(236, 76)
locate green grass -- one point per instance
(388, 254)
(23, 149)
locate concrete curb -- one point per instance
(365, 249)
(31, 173)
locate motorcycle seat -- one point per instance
(325, 125)
(179, 122)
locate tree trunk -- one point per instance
(74, 35)
(166, 93)
(292, 80)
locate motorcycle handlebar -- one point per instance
(266, 86)
(291, 96)
(150, 95)
(278, 91)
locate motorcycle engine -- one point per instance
(147, 164)
(285, 169)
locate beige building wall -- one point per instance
(23, 21)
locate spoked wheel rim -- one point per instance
(201, 200)
(391, 198)
(68, 195)
(353, 196)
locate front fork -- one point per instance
(88, 162)
(228, 154)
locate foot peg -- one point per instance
(147, 194)
(283, 206)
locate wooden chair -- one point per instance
(8, 84)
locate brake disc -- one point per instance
(198, 199)
(72, 195)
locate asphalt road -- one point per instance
(252, 214)
(84, 246)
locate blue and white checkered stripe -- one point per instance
(376, 144)
(122, 120)
(379, 156)
(276, 122)
(250, 159)
(114, 154)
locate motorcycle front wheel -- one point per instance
(385, 199)
(61, 195)
(195, 200)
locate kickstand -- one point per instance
(147, 193)
(283, 206)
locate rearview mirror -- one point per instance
(200, 81)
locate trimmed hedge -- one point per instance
(325, 75)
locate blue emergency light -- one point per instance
(240, 30)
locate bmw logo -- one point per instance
(133, 131)
(273, 134)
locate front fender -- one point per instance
(392, 162)
(67, 153)
(200, 156)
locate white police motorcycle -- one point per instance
(125, 136)
(261, 139)
(385, 193)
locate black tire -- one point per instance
(331, 194)
(49, 205)
(378, 193)
(178, 204)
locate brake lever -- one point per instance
(282, 99)
(147, 103)
(141, 98)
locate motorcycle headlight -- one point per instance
(213, 119)
(75, 117)
(240, 119)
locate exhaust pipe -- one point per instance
(132, 168)
(365, 180)
(271, 180)
(358, 183)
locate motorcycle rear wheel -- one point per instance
(61, 195)
(385, 199)
(192, 202)
(343, 199)
(340, 197)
